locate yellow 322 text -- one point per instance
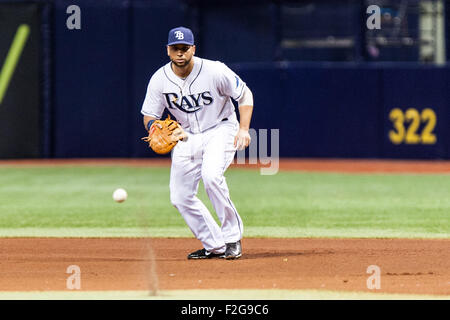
(406, 126)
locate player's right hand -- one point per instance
(242, 139)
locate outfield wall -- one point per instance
(351, 110)
(93, 81)
(20, 90)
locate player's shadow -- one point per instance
(284, 254)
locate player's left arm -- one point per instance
(243, 139)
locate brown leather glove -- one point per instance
(164, 135)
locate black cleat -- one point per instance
(204, 254)
(233, 251)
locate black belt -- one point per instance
(224, 119)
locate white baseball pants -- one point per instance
(206, 156)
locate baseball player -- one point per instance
(198, 92)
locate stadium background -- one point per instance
(319, 74)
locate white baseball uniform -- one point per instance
(201, 103)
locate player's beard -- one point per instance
(181, 65)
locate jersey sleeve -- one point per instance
(229, 83)
(153, 105)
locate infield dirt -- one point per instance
(406, 265)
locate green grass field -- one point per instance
(77, 201)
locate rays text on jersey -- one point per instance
(189, 103)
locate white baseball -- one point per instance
(120, 195)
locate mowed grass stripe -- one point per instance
(184, 232)
(288, 204)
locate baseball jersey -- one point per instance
(198, 102)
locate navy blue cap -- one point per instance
(180, 35)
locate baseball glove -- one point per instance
(164, 135)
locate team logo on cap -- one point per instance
(179, 35)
